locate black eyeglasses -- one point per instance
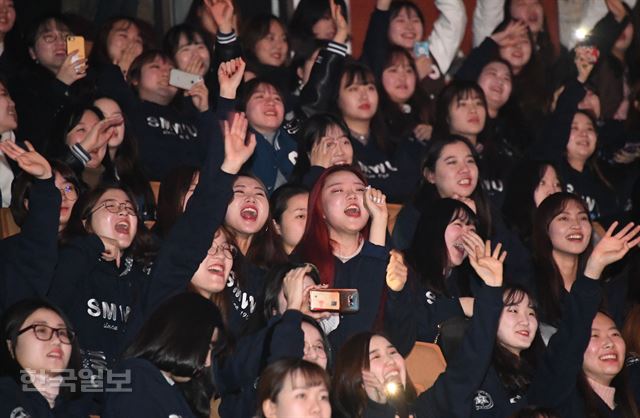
(114, 206)
(69, 192)
(45, 333)
(228, 250)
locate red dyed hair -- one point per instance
(315, 246)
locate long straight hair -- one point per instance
(550, 283)
(349, 395)
(516, 373)
(316, 246)
(428, 254)
(427, 193)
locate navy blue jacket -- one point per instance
(558, 366)
(453, 391)
(100, 299)
(167, 137)
(16, 402)
(236, 376)
(27, 260)
(269, 159)
(367, 273)
(151, 394)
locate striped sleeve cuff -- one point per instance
(226, 38)
(80, 154)
(337, 48)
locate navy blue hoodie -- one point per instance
(167, 137)
(18, 400)
(151, 394)
(557, 372)
(27, 260)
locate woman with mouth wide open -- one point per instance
(371, 378)
(102, 277)
(345, 238)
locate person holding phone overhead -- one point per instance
(171, 126)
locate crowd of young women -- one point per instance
(516, 248)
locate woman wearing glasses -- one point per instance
(40, 359)
(51, 82)
(103, 274)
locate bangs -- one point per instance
(310, 376)
(565, 202)
(51, 25)
(468, 93)
(465, 215)
(358, 75)
(515, 295)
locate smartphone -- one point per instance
(334, 300)
(421, 48)
(183, 80)
(76, 43)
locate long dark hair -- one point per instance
(626, 405)
(264, 250)
(142, 249)
(100, 54)
(428, 254)
(427, 192)
(273, 286)
(519, 206)
(176, 339)
(550, 283)
(454, 92)
(349, 395)
(516, 372)
(316, 246)
(171, 198)
(11, 324)
(355, 72)
(128, 171)
(400, 121)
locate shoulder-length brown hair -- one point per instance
(349, 395)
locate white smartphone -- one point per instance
(183, 80)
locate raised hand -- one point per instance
(129, 54)
(617, 9)
(30, 161)
(101, 133)
(374, 387)
(397, 272)
(199, 95)
(423, 132)
(230, 76)
(510, 34)
(375, 202)
(195, 66)
(611, 248)
(342, 27)
(487, 264)
(222, 13)
(585, 59)
(293, 287)
(111, 250)
(72, 69)
(321, 153)
(237, 150)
